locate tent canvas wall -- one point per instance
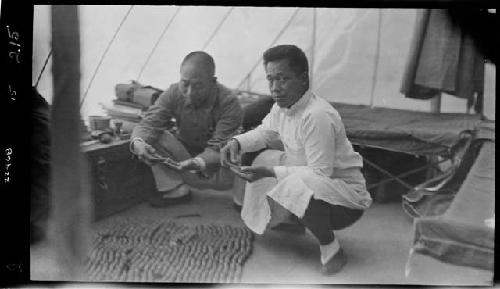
(343, 63)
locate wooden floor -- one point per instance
(377, 247)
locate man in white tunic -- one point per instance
(318, 176)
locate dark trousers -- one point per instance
(321, 218)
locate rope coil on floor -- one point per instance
(158, 251)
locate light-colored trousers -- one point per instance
(167, 179)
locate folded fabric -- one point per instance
(256, 212)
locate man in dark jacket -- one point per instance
(207, 114)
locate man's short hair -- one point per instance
(296, 57)
(201, 57)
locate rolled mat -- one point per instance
(129, 251)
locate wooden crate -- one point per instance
(118, 181)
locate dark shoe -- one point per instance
(335, 264)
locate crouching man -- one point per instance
(318, 176)
(207, 114)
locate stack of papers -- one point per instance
(119, 111)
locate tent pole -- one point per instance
(377, 58)
(69, 218)
(435, 108)
(436, 104)
(313, 45)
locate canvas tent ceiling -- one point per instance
(343, 68)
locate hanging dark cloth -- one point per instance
(443, 58)
(39, 166)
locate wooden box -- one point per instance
(118, 181)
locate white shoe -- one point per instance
(335, 264)
(180, 194)
(177, 192)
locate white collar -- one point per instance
(301, 103)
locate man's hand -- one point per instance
(146, 153)
(230, 152)
(256, 173)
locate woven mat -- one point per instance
(168, 252)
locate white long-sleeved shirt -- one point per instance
(319, 162)
(313, 136)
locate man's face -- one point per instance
(285, 85)
(196, 83)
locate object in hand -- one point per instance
(230, 152)
(171, 163)
(166, 161)
(237, 170)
